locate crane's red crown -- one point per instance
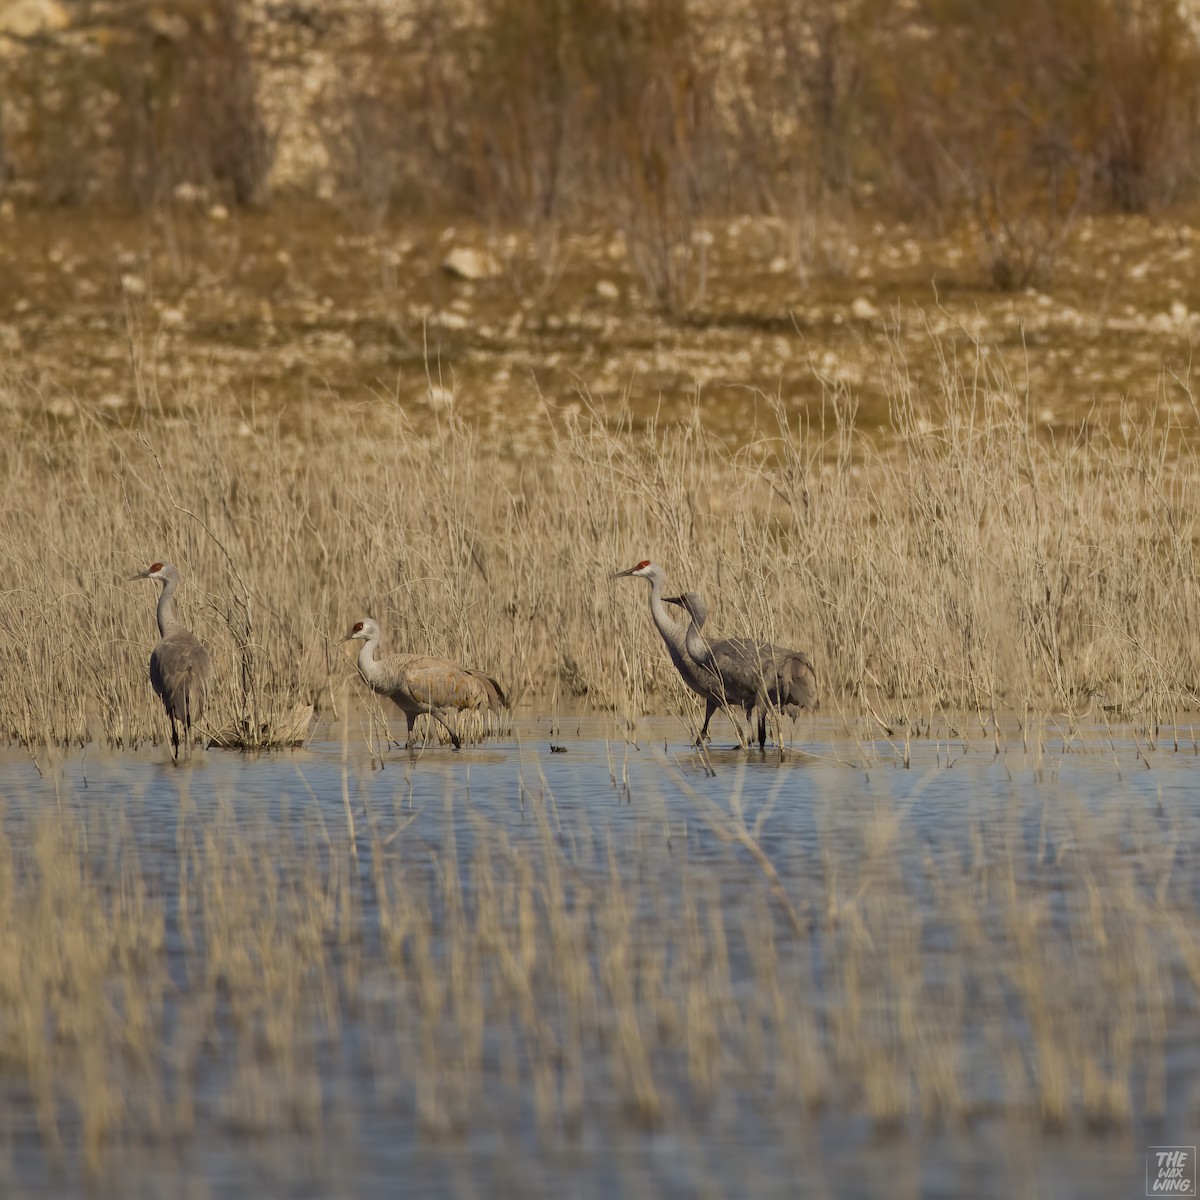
(155, 567)
(357, 627)
(642, 565)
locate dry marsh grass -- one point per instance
(962, 560)
(565, 975)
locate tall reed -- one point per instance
(961, 560)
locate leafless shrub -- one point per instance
(538, 113)
(143, 100)
(1029, 114)
(188, 109)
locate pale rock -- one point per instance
(863, 310)
(188, 193)
(607, 290)
(465, 262)
(170, 26)
(32, 18)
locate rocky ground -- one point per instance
(276, 310)
(294, 303)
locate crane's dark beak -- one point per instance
(679, 601)
(622, 574)
(140, 575)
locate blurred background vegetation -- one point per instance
(647, 115)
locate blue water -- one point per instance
(858, 840)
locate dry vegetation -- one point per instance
(563, 975)
(646, 117)
(966, 563)
(970, 549)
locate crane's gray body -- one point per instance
(422, 683)
(701, 680)
(732, 671)
(180, 666)
(749, 673)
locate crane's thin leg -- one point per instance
(710, 707)
(762, 729)
(174, 739)
(438, 716)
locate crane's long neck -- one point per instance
(166, 608)
(368, 668)
(672, 633)
(697, 644)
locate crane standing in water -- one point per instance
(701, 682)
(733, 671)
(180, 666)
(420, 683)
(756, 675)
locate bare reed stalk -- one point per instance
(962, 562)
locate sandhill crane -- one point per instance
(420, 683)
(749, 673)
(180, 666)
(702, 680)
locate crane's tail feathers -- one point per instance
(497, 699)
(799, 686)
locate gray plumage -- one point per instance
(422, 683)
(748, 673)
(673, 634)
(705, 682)
(180, 666)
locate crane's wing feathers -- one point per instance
(422, 681)
(798, 683)
(180, 668)
(496, 699)
(749, 668)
